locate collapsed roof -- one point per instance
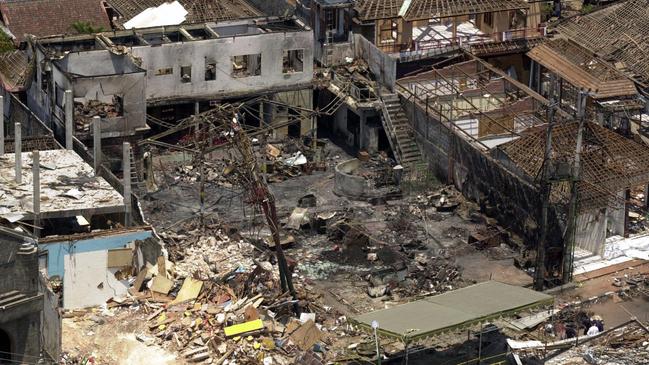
(581, 68)
(610, 163)
(15, 70)
(427, 9)
(486, 105)
(199, 11)
(618, 34)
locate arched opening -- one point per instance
(5, 348)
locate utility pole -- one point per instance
(571, 229)
(261, 195)
(546, 187)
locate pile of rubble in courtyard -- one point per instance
(223, 301)
(627, 345)
(281, 160)
(216, 298)
(93, 108)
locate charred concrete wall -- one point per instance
(166, 64)
(17, 272)
(479, 176)
(51, 323)
(22, 316)
(92, 75)
(382, 65)
(24, 334)
(591, 231)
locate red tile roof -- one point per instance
(50, 17)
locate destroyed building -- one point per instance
(612, 98)
(614, 36)
(144, 88)
(323, 175)
(80, 220)
(465, 115)
(30, 324)
(420, 28)
(75, 215)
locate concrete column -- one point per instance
(531, 78)
(96, 134)
(2, 126)
(627, 198)
(18, 151)
(126, 168)
(69, 118)
(36, 183)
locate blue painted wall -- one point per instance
(56, 251)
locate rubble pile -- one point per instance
(85, 112)
(292, 157)
(419, 274)
(222, 303)
(377, 170)
(629, 286)
(443, 201)
(628, 345)
(207, 255)
(214, 173)
(638, 221)
(281, 160)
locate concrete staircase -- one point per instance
(400, 133)
(27, 249)
(11, 298)
(137, 185)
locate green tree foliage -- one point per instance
(85, 27)
(6, 43)
(587, 8)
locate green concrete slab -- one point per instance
(452, 310)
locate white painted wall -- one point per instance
(88, 282)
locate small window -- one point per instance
(118, 102)
(59, 95)
(164, 71)
(186, 74)
(389, 30)
(45, 81)
(210, 70)
(246, 65)
(293, 61)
